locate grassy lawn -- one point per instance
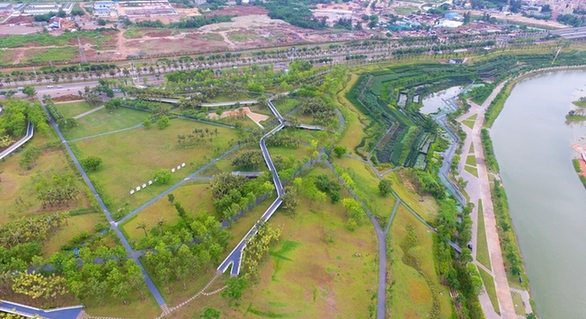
(468, 123)
(103, 121)
(318, 270)
(356, 122)
(8, 56)
(426, 206)
(18, 186)
(471, 150)
(52, 54)
(518, 302)
(137, 309)
(212, 37)
(297, 153)
(367, 184)
(131, 158)
(247, 123)
(284, 105)
(415, 290)
(265, 110)
(75, 226)
(471, 170)
(490, 289)
(405, 10)
(242, 36)
(71, 109)
(194, 198)
(471, 160)
(482, 254)
(472, 118)
(579, 103)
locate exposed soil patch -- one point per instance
(158, 33)
(239, 11)
(68, 97)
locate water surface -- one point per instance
(547, 200)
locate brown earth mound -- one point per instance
(239, 11)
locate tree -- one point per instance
(290, 200)
(162, 177)
(212, 313)
(235, 286)
(384, 187)
(91, 163)
(142, 225)
(113, 104)
(171, 198)
(163, 122)
(29, 157)
(147, 123)
(340, 150)
(29, 91)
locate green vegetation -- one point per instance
(242, 37)
(576, 163)
(580, 103)
(471, 170)
(482, 253)
(490, 289)
(518, 303)
(415, 289)
(573, 117)
(45, 39)
(489, 156)
(51, 55)
(131, 158)
(471, 160)
(405, 10)
(71, 109)
(193, 22)
(103, 121)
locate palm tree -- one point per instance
(142, 225)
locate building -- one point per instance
(104, 9)
(44, 8)
(6, 7)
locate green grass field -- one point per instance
(471, 170)
(8, 56)
(426, 206)
(471, 160)
(75, 226)
(367, 184)
(103, 121)
(415, 290)
(284, 105)
(18, 186)
(195, 198)
(71, 109)
(490, 289)
(355, 120)
(405, 10)
(131, 158)
(52, 54)
(482, 254)
(242, 36)
(470, 124)
(518, 302)
(579, 103)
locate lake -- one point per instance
(532, 143)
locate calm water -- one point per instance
(434, 102)
(546, 198)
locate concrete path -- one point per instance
(479, 188)
(89, 112)
(29, 134)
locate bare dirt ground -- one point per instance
(255, 117)
(519, 19)
(17, 29)
(239, 11)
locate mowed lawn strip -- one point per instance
(471, 160)
(490, 289)
(286, 104)
(471, 170)
(103, 121)
(71, 109)
(355, 120)
(131, 159)
(195, 198)
(413, 290)
(482, 254)
(518, 302)
(426, 206)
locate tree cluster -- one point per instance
(197, 137)
(64, 124)
(257, 248)
(250, 159)
(15, 115)
(58, 191)
(27, 230)
(330, 187)
(233, 193)
(322, 113)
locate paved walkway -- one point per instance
(479, 188)
(89, 112)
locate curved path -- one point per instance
(29, 134)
